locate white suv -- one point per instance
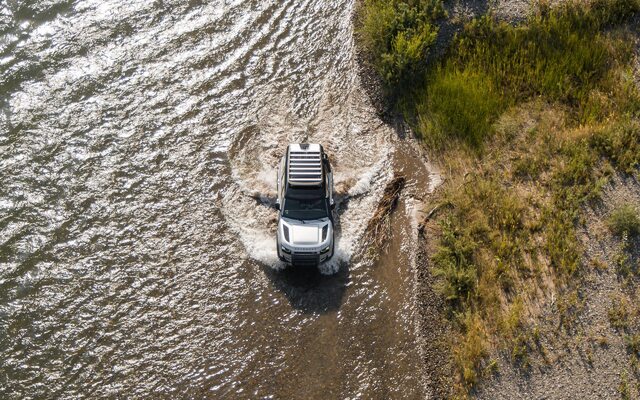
(305, 203)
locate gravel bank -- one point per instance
(590, 358)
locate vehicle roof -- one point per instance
(304, 164)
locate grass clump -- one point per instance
(623, 387)
(620, 143)
(624, 220)
(633, 344)
(472, 349)
(619, 314)
(397, 35)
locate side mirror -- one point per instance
(278, 206)
(333, 204)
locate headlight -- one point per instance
(285, 250)
(326, 249)
(324, 232)
(285, 231)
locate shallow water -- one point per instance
(138, 147)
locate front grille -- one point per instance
(305, 259)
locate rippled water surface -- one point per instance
(138, 147)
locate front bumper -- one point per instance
(304, 257)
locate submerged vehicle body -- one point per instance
(305, 203)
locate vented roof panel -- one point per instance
(305, 164)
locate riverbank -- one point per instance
(529, 288)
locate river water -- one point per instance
(138, 147)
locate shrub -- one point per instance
(408, 48)
(624, 220)
(397, 35)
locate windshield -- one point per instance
(305, 209)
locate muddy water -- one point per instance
(138, 147)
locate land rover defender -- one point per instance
(305, 204)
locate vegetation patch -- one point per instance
(624, 220)
(531, 121)
(396, 35)
(619, 313)
(563, 54)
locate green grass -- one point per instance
(512, 224)
(460, 104)
(624, 220)
(397, 35)
(562, 54)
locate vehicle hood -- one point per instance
(305, 233)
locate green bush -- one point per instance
(407, 53)
(624, 220)
(397, 35)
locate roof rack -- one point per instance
(305, 165)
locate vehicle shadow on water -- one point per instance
(310, 291)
